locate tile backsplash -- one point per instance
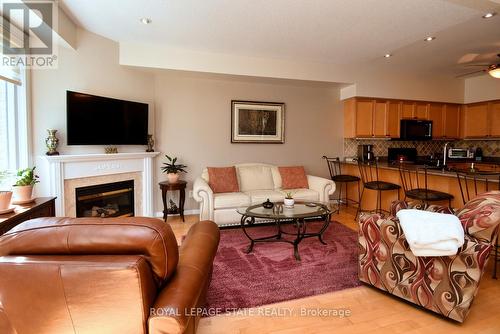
(491, 148)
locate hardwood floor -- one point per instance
(372, 311)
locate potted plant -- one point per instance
(23, 188)
(5, 192)
(289, 201)
(173, 169)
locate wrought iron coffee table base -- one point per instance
(301, 234)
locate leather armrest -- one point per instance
(185, 291)
(324, 187)
(203, 194)
(80, 293)
(5, 325)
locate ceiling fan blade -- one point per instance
(470, 73)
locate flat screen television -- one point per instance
(97, 120)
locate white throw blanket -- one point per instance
(430, 233)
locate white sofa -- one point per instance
(257, 182)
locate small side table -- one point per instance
(165, 186)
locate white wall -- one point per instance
(194, 122)
(92, 68)
(481, 88)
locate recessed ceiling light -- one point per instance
(430, 38)
(488, 15)
(387, 55)
(145, 20)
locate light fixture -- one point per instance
(494, 71)
(488, 15)
(430, 38)
(387, 55)
(145, 20)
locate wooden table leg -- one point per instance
(182, 199)
(164, 198)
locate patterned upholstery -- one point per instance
(446, 285)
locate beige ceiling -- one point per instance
(341, 32)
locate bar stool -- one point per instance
(334, 167)
(422, 194)
(370, 178)
(467, 179)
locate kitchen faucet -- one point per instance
(445, 153)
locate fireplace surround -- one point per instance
(68, 172)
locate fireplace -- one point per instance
(106, 200)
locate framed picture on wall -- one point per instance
(257, 122)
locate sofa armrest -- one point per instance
(175, 308)
(203, 194)
(5, 325)
(324, 187)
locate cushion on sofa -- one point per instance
(293, 177)
(305, 195)
(255, 178)
(260, 196)
(223, 179)
(231, 200)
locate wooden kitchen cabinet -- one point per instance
(451, 121)
(371, 118)
(407, 109)
(393, 118)
(421, 110)
(436, 115)
(379, 119)
(474, 120)
(364, 118)
(494, 119)
(445, 119)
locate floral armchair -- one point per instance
(446, 285)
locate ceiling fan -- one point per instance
(491, 69)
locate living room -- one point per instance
(198, 69)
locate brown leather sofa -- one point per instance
(124, 275)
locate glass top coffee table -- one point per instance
(299, 216)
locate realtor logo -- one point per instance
(28, 29)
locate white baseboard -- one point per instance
(186, 212)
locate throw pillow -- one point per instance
(223, 179)
(293, 177)
(255, 177)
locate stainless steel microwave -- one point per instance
(412, 129)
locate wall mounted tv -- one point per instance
(97, 120)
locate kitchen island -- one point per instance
(444, 180)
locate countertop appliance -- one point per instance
(396, 154)
(412, 129)
(365, 153)
(460, 153)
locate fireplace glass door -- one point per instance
(106, 200)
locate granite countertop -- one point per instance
(439, 171)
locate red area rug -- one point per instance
(270, 274)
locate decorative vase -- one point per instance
(289, 202)
(173, 177)
(268, 204)
(5, 197)
(22, 193)
(151, 144)
(52, 142)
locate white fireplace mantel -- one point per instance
(67, 167)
